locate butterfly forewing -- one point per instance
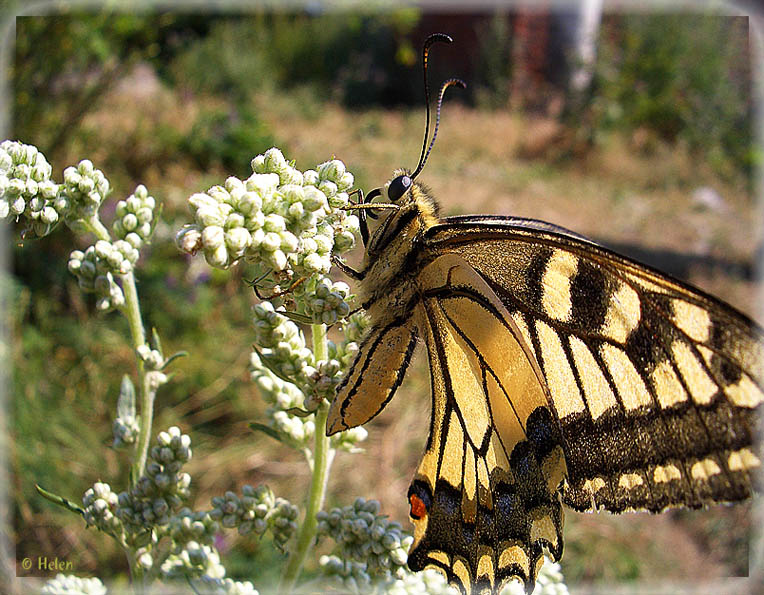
(657, 387)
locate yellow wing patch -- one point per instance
(491, 457)
(655, 384)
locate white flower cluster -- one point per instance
(322, 384)
(324, 301)
(351, 576)
(193, 559)
(354, 327)
(224, 586)
(256, 511)
(95, 269)
(26, 188)
(285, 353)
(117, 258)
(354, 578)
(94, 274)
(283, 356)
(363, 535)
(187, 525)
(68, 584)
(82, 192)
(163, 488)
(125, 431)
(27, 191)
(134, 217)
(426, 582)
(152, 358)
(279, 217)
(154, 362)
(101, 506)
(283, 344)
(282, 396)
(548, 582)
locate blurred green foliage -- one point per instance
(227, 137)
(682, 77)
(493, 69)
(355, 59)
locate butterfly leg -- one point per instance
(349, 271)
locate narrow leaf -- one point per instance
(267, 361)
(258, 427)
(59, 500)
(297, 317)
(156, 342)
(173, 357)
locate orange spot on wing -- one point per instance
(418, 509)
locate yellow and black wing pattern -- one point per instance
(561, 373)
(484, 500)
(657, 387)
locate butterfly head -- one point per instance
(399, 186)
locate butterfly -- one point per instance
(561, 373)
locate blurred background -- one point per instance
(635, 129)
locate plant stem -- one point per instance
(323, 455)
(132, 311)
(97, 228)
(136, 573)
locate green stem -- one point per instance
(323, 455)
(132, 311)
(97, 228)
(136, 573)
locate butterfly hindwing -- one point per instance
(657, 387)
(484, 499)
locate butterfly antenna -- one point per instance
(434, 38)
(449, 83)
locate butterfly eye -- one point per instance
(398, 187)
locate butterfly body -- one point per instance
(392, 259)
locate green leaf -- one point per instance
(142, 539)
(256, 281)
(258, 427)
(59, 500)
(173, 357)
(297, 317)
(156, 343)
(268, 363)
(297, 412)
(157, 217)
